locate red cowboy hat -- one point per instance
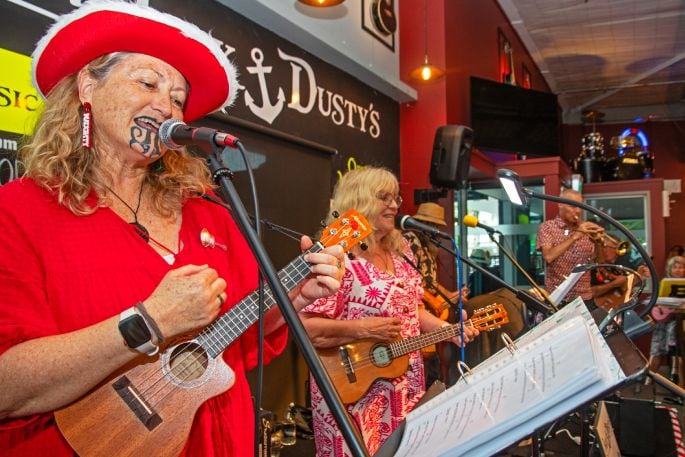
(101, 27)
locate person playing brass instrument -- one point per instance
(565, 242)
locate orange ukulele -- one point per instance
(147, 407)
(354, 367)
(440, 308)
(437, 304)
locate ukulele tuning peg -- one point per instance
(363, 246)
(350, 256)
(335, 214)
(322, 223)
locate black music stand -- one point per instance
(629, 357)
(222, 176)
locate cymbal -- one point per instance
(592, 115)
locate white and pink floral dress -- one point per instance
(368, 291)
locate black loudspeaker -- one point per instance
(451, 156)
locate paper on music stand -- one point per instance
(554, 368)
(560, 292)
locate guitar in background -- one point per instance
(618, 295)
(147, 407)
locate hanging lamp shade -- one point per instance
(427, 72)
(321, 3)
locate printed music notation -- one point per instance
(555, 367)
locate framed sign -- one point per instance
(505, 59)
(526, 81)
(379, 18)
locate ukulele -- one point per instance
(438, 307)
(148, 406)
(618, 295)
(661, 313)
(437, 304)
(354, 367)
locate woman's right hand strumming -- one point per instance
(187, 298)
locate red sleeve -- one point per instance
(24, 311)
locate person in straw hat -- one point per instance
(101, 260)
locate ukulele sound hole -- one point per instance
(380, 354)
(188, 362)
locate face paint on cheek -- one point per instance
(141, 141)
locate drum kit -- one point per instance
(633, 160)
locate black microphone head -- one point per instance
(165, 133)
(400, 220)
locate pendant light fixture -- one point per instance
(321, 3)
(426, 72)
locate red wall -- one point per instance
(419, 120)
(462, 38)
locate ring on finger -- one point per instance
(220, 298)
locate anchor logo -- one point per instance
(267, 111)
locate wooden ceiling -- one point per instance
(623, 58)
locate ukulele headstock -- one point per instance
(347, 230)
(490, 317)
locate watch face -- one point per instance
(135, 331)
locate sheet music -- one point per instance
(560, 292)
(558, 365)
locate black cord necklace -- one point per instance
(140, 228)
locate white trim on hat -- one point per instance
(187, 29)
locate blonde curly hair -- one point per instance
(55, 159)
(358, 189)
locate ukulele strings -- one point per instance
(189, 360)
(366, 361)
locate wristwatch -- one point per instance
(136, 332)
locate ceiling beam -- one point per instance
(673, 60)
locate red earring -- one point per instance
(86, 126)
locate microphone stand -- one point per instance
(518, 266)
(223, 176)
(520, 294)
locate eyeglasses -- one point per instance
(388, 198)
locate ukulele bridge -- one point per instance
(347, 364)
(136, 403)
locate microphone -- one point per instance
(406, 222)
(472, 221)
(175, 134)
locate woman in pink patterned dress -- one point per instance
(380, 297)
